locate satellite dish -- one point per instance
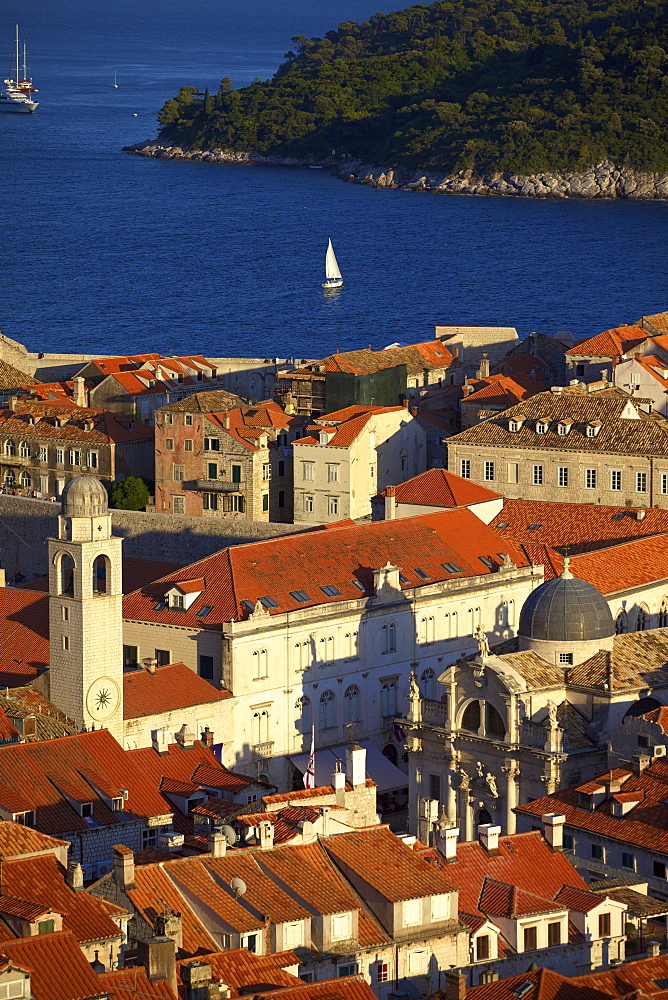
(229, 834)
(238, 886)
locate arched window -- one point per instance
(621, 622)
(352, 648)
(10, 478)
(66, 570)
(327, 717)
(388, 699)
(451, 625)
(303, 720)
(426, 630)
(260, 727)
(260, 667)
(390, 751)
(484, 817)
(642, 618)
(24, 449)
(351, 704)
(503, 615)
(326, 649)
(100, 575)
(302, 655)
(428, 683)
(10, 448)
(474, 619)
(25, 479)
(389, 638)
(471, 717)
(494, 725)
(663, 614)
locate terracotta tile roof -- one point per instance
(347, 425)
(580, 527)
(385, 863)
(127, 983)
(417, 357)
(623, 567)
(524, 860)
(8, 730)
(107, 427)
(154, 890)
(641, 974)
(441, 488)
(247, 423)
(151, 856)
(518, 365)
(12, 907)
(342, 988)
(12, 378)
(644, 826)
(24, 636)
(212, 401)
(59, 970)
(658, 715)
(618, 435)
(609, 344)
(287, 822)
(50, 722)
(220, 777)
(313, 560)
(500, 899)
(195, 877)
(578, 899)
(246, 973)
(169, 688)
(17, 840)
(502, 390)
(544, 985)
(107, 366)
(53, 390)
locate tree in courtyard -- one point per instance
(130, 494)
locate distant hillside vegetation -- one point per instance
(510, 85)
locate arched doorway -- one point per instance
(484, 816)
(390, 751)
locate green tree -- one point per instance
(130, 493)
(207, 103)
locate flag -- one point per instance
(309, 773)
(399, 732)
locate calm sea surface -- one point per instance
(105, 252)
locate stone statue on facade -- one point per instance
(483, 643)
(491, 784)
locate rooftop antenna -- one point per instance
(238, 886)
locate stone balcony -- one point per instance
(215, 486)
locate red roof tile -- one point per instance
(24, 636)
(17, 840)
(126, 984)
(640, 975)
(578, 899)
(246, 973)
(536, 984)
(439, 488)
(611, 343)
(343, 988)
(59, 970)
(107, 427)
(501, 899)
(502, 390)
(153, 891)
(170, 687)
(658, 715)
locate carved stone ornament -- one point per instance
(483, 642)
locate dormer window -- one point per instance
(86, 809)
(178, 602)
(342, 926)
(515, 425)
(593, 429)
(541, 427)
(563, 428)
(25, 818)
(182, 595)
(585, 802)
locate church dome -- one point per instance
(85, 496)
(566, 609)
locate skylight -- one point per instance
(486, 561)
(331, 591)
(299, 596)
(404, 579)
(268, 602)
(360, 586)
(503, 525)
(421, 572)
(522, 990)
(618, 517)
(534, 527)
(451, 567)
(161, 606)
(203, 612)
(248, 605)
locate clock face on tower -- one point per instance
(102, 699)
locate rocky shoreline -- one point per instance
(605, 180)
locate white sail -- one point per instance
(332, 272)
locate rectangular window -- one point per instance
(530, 939)
(440, 907)
(341, 926)
(169, 444)
(178, 505)
(641, 482)
(569, 843)
(332, 473)
(206, 667)
(513, 472)
(66, 642)
(615, 479)
(664, 483)
(66, 613)
(482, 947)
(590, 479)
(60, 456)
(553, 935)
(412, 912)
(75, 457)
(265, 501)
(210, 501)
(281, 498)
(46, 926)
(237, 504)
(169, 418)
(628, 861)
(266, 471)
(42, 454)
(188, 420)
(333, 505)
(604, 925)
(382, 972)
(293, 934)
(435, 787)
(489, 471)
(659, 869)
(597, 851)
(130, 656)
(163, 657)
(236, 473)
(307, 471)
(281, 468)
(538, 475)
(178, 473)
(211, 444)
(562, 476)
(565, 657)
(188, 444)
(92, 459)
(308, 505)
(348, 970)
(465, 468)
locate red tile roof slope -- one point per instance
(416, 357)
(125, 984)
(342, 988)
(545, 985)
(578, 899)
(578, 526)
(348, 424)
(439, 488)
(645, 826)
(42, 879)
(107, 427)
(389, 866)
(153, 891)
(17, 841)
(502, 390)
(246, 973)
(658, 715)
(24, 636)
(611, 343)
(641, 974)
(501, 899)
(170, 687)
(59, 970)
(312, 560)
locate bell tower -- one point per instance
(85, 610)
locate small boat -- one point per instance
(17, 90)
(115, 81)
(333, 277)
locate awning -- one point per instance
(381, 770)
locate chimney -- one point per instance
(89, 424)
(226, 420)
(483, 367)
(390, 503)
(414, 411)
(653, 949)
(207, 737)
(553, 830)
(488, 976)
(75, 876)
(217, 843)
(641, 515)
(324, 812)
(356, 765)
(158, 956)
(185, 736)
(149, 663)
(13, 402)
(447, 843)
(467, 389)
(339, 784)
(160, 740)
(169, 924)
(79, 395)
(124, 867)
(404, 403)
(455, 985)
(196, 979)
(3, 582)
(266, 834)
(640, 763)
(489, 837)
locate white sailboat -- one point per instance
(333, 277)
(18, 90)
(115, 81)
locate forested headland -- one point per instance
(500, 85)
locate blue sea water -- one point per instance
(105, 252)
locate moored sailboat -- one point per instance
(333, 277)
(17, 89)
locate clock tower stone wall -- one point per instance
(85, 610)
